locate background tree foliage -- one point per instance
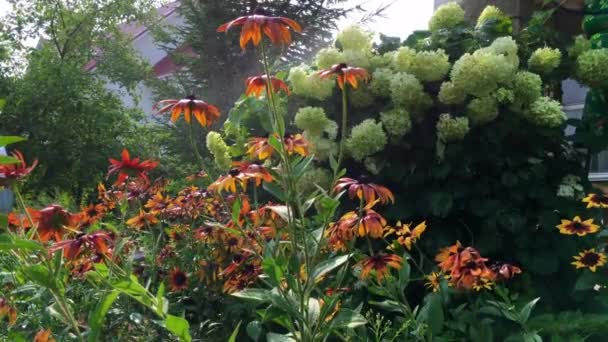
(72, 122)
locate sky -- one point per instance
(403, 17)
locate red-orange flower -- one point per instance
(96, 242)
(275, 28)
(143, 219)
(380, 263)
(204, 113)
(12, 172)
(178, 280)
(363, 190)
(258, 84)
(230, 181)
(296, 144)
(254, 171)
(345, 74)
(44, 335)
(259, 148)
(127, 167)
(92, 214)
(52, 222)
(158, 203)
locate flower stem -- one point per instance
(194, 146)
(343, 128)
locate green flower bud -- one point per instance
(449, 94)
(408, 92)
(355, 38)
(327, 57)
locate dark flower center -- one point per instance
(179, 278)
(600, 199)
(578, 227)
(260, 11)
(233, 242)
(191, 97)
(590, 259)
(92, 212)
(234, 172)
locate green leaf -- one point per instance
(301, 166)
(254, 330)
(275, 190)
(272, 337)
(275, 143)
(41, 276)
(132, 288)
(7, 140)
(273, 270)
(8, 160)
(432, 313)
(3, 220)
(97, 316)
(390, 305)
(587, 281)
(327, 266)
(348, 319)
(8, 242)
(258, 295)
(236, 210)
(235, 333)
(524, 314)
(404, 275)
(179, 327)
(160, 300)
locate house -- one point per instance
(144, 44)
(569, 20)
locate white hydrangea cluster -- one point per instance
(482, 110)
(507, 47)
(427, 66)
(527, 87)
(450, 94)
(396, 122)
(331, 129)
(481, 73)
(327, 57)
(219, 149)
(381, 81)
(592, 67)
(447, 16)
(373, 165)
(407, 92)
(365, 139)
(356, 58)
(306, 83)
(314, 178)
(504, 96)
(571, 187)
(580, 46)
(355, 38)
(321, 147)
(450, 129)
(490, 13)
(545, 112)
(311, 119)
(361, 97)
(544, 60)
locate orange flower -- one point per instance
(275, 28)
(96, 242)
(259, 148)
(108, 197)
(230, 181)
(364, 190)
(142, 220)
(257, 84)
(178, 280)
(406, 236)
(44, 335)
(92, 214)
(204, 113)
(10, 173)
(345, 74)
(254, 171)
(128, 167)
(296, 144)
(380, 263)
(596, 201)
(434, 281)
(157, 203)
(447, 252)
(577, 227)
(52, 222)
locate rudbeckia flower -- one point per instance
(44, 335)
(178, 280)
(92, 214)
(296, 144)
(363, 190)
(596, 201)
(52, 222)
(142, 220)
(589, 259)
(254, 171)
(578, 227)
(257, 84)
(345, 74)
(259, 148)
(406, 236)
(230, 182)
(204, 113)
(434, 281)
(380, 264)
(127, 167)
(95, 242)
(158, 203)
(275, 28)
(10, 173)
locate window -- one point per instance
(574, 103)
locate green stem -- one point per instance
(343, 128)
(67, 313)
(194, 146)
